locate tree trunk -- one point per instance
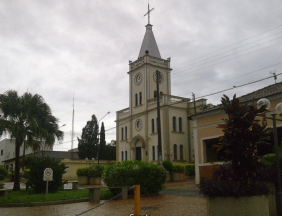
(17, 165)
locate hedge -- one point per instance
(82, 171)
(149, 176)
(95, 170)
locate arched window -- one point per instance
(126, 155)
(153, 153)
(122, 156)
(181, 152)
(180, 124)
(122, 133)
(175, 152)
(140, 98)
(125, 132)
(174, 123)
(136, 99)
(153, 125)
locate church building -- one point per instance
(136, 125)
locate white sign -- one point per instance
(48, 174)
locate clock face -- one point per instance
(160, 77)
(138, 78)
(138, 124)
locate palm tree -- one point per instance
(28, 119)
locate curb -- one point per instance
(33, 204)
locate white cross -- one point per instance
(148, 13)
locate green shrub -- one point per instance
(3, 171)
(36, 166)
(149, 176)
(82, 171)
(2, 177)
(26, 173)
(190, 169)
(178, 169)
(95, 171)
(269, 159)
(168, 165)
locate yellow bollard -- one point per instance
(137, 201)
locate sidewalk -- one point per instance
(183, 199)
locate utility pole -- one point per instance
(194, 102)
(159, 120)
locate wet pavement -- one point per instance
(177, 198)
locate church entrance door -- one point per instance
(138, 153)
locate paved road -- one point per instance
(176, 199)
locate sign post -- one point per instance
(47, 176)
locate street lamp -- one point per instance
(62, 125)
(266, 102)
(99, 134)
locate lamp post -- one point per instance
(99, 134)
(266, 102)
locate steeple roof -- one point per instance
(149, 43)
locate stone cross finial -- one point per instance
(148, 13)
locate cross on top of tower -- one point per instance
(148, 13)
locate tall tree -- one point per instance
(106, 152)
(27, 118)
(102, 136)
(89, 139)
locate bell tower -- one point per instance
(142, 73)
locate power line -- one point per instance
(182, 101)
(235, 43)
(235, 77)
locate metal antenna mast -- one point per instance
(72, 132)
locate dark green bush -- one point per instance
(178, 169)
(149, 176)
(226, 182)
(95, 171)
(190, 169)
(2, 177)
(3, 171)
(269, 159)
(36, 166)
(168, 165)
(82, 171)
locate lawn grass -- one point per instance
(24, 196)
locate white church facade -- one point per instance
(136, 125)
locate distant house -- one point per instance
(206, 132)
(7, 152)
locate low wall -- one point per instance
(73, 164)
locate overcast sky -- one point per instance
(64, 49)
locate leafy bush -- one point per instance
(225, 182)
(190, 169)
(2, 177)
(25, 173)
(168, 165)
(178, 169)
(82, 171)
(243, 133)
(10, 174)
(149, 176)
(3, 171)
(95, 171)
(269, 159)
(36, 166)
